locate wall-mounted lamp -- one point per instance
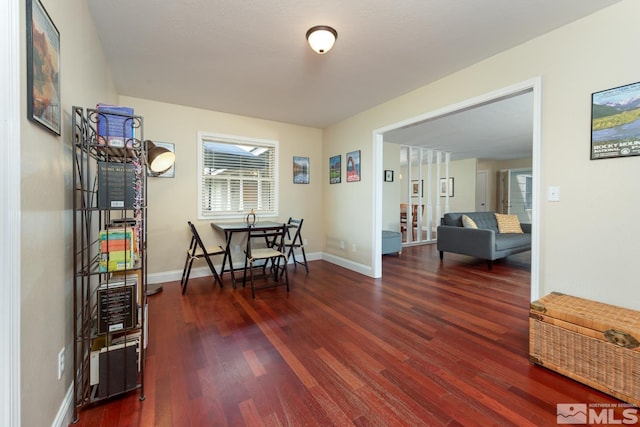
(321, 38)
(159, 159)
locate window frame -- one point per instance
(208, 137)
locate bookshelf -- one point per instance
(109, 247)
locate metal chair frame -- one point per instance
(197, 250)
(271, 251)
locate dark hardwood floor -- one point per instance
(428, 344)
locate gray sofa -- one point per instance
(484, 242)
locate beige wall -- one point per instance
(46, 230)
(590, 55)
(173, 201)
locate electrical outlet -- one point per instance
(353, 247)
(60, 363)
(305, 242)
(341, 244)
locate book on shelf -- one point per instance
(135, 275)
(116, 127)
(119, 249)
(115, 368)
(117, 306)
(118, 185)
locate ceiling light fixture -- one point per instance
(321, 38)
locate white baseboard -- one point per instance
(203, 271)
(65, 412)
(349, 265)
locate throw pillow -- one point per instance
(508, 223)
(468, 222)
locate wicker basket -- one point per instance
(594, 343)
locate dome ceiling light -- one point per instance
(321, 38)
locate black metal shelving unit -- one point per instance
(109, 197)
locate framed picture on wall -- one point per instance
(388, 176)
(335, 169)
(43, 68)
(615, 122)
(417, 188)
(300, 170)
(446, 187)
(353, 166)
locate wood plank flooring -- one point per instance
(428, 344)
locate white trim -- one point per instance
(10, 85)
(175, 275)
(534, 85)
(65, 412)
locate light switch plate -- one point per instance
(554, 194)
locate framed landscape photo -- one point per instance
(615, 122)
(353, 166)
(43, 68)
(335, 169)
(300, 170)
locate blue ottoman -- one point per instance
(391, 242)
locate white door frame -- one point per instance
(10, 86)
(535, 86)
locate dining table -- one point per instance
(228, 229)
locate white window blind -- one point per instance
(236, 175)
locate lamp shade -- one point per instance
(321, 38)
(159, 159)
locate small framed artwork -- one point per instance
(335, 169)
(388, 176)
(446, 187)
(353, 166)
(417, 188)
(43, 68)
(171, 172)
(300, 170)
(615, 122)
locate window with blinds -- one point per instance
(236, 175)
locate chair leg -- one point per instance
(186, 278)
(184, 270)
(304, 257)
(216, 278)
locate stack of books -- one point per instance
(118, 249)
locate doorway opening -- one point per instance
(533, 86)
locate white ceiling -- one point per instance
(498, 130)
(250, 57)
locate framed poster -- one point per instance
(335, 169)
(43, 68)
(615, 122)
(353, 166)
(446, 188)
(388, 176)
(300, 170)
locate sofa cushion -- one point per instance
(512, 240)
(508, 224)
(484, 220)
(468, 222)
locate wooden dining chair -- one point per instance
(265, 251)
(197, 250)
(291, 244)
